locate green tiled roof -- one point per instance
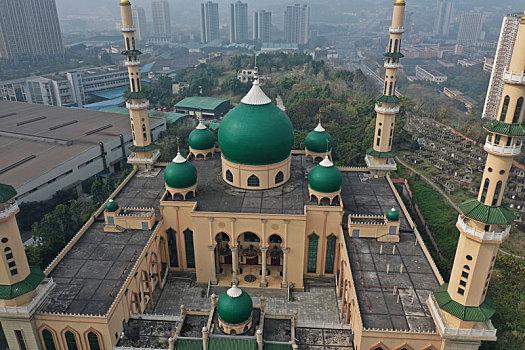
(466, 313)
(201, 102)
(231, 343)
(131, 53)
(188, 344)
(374, 153)
(29, 284)
(388, 99)
(7, 192)
(394, 55)
(135, 95)
(277, 346)
(505, 129)
(489, 215)
(147, 148)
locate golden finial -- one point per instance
(124, 3)
(399, 3)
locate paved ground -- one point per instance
(316, 306)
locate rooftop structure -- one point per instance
(47, 148)
(205, 107)
(430, 74)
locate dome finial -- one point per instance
(234, 291)
(179, 158)
(200, 126)
(326, 162)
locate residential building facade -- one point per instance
(210, 22)
(297, 24)
(238, 22)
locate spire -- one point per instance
(179, 158)
(201, 126)
(319, 127)
(256, 96)
(326, 162)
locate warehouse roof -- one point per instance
(201, 103)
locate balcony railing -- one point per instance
(132, 63)
(389, 166)
(514, 78)
(127, 29)
(134, 106)
(484, 235)
(399, 30)
(512, 150)
(387, 110)
(394, 65)
(8, 211)
(42, 292)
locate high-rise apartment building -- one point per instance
(470, 26)
(443, 15)
(139, 19)
(209, 22)
(262, 26)
(296, 24)
(238, 22)
(160, 10)
(29, 30)
(507, 38)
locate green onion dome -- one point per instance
(201, 138)
(234, 306)
(111, 205)
(325, 177)
(318, 140)
(256, 132)
(180, 173)
(392, 215)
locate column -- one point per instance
(213, 267)
(264, 268)
(205, 337)
(284, 283)
(259, 339)
(235, 264)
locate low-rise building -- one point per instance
(206, 107)
(430, 74)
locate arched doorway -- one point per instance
(249, 245)
(223, 254)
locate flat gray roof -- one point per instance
(91, 274)
(36, 138)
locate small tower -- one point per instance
(144, 153)
(461, 305)
(318, 143)
(380, 158)
(235, 309)
(201, 141)
(19, 284)
(324, 181)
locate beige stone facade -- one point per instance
(256, 177)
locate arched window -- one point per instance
(229, 176)
(93, 341)
(330, 254)
(253, 181)
(49, 340)
(313, 241)
(505, 107)
(276, 239)
(517, 111)
(378, 132)
(386, 84)
(484, 190)
(497, 192)
(133, 85)
(8, 252)
(279, 177)
(71, 341)
(190, 252)
(138, 84)
(390, 46)
(133, 43)
(390, 87)
(127, 44)
(172, 246)
(395, 45)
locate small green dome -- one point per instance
(318, 140)
(325, 177)
(235, 306)
(392, 215)
(111, 205)
(180, 173)
(256, 132)
(201, 138)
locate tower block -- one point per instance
(144, 152)
(380, 158)
(460, 308)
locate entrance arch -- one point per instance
(223, 254)
(249, 244)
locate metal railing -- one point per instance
(141, 105)
(386, 110)
(398, 30)
(512, 150)
(514, 78)
(485, 235)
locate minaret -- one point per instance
(379, 158)
(485, 222)
(144, 152)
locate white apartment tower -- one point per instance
(160, 10)
(238, 22)
(470, 26)
(209, 22)
(139, 19)
(262, 26)
(297, 24)
(442, 21)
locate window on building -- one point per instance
(461, 291)
(497, 192)
(313, 241)
(188, 244)
(484, 190)
(93, 341)
(133, 43)
(330, 254)
(71, 341)
(279, 177)
(253, 181)
(229, 176)
(505, 108)
(49, 340)
(20, 340)
(517, 111)
(396, 42)
(127, 44)
(8, 252)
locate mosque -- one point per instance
(246, 215)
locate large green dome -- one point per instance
(201, 138)
(256, 132)
(234, 306)
(325, 177)
(180, 173)
(318, 140)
